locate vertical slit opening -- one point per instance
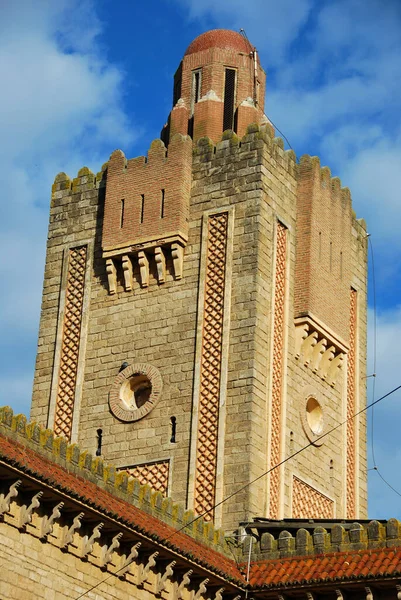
(99, 433)
(122, 214)
(162, 206)
(173, 423)
(229, 99)
(142, 206)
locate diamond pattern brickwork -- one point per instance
(351, 467)
(153, 474)
(74, 297)
(308, 503)
(209, 397)
(278, 367)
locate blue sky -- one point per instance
(80, 79)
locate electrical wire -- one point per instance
(372, 429)
(286, 139)
(329, 432)
(374, 350)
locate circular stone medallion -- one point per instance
(135, 391)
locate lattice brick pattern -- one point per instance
(153, 474)
(351, 512)
(278, 366)
(74, 297)
(209, 396)
(308, 503)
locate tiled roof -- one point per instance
(32, 463)
(325, 568)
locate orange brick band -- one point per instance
(308, 503)
(351, 381)
(74, 297)
(209, 397)
(154, 474)
(278, 367)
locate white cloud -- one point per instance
(60, 108)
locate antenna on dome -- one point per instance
(243, 33)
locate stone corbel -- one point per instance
(326, 361)
(179, 589)
(307, 347)
(128, 273)
(48, 522)
(111, 276)
(12, 493)
(339, 595)
(143, 570)
(309, 596)
(317, 354)
(127, 561)
(69, 534)
(25, 515)
(335, 368)
(177, 253)
(107, 551)
(162, 578)
(301, 333)
(219, 594)
(87, 543)
(398, 588)
(369, 593)
(201, 589)
(143, 268)
(160, 264)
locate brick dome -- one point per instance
(219, 38)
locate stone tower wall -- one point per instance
(234, 369)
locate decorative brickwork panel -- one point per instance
(210, 372)
(351, 467)
(308, 503)
(278, 367)
(153, 474)
(74, 297)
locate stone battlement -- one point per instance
(147, 199)
(335, 537)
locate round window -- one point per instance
(135, 392)
(314, 415)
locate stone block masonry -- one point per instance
(162, 328)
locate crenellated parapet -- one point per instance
(257, 139)
(293, 539)
(146, 211)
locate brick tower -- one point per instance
(204, 308)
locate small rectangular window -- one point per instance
(229, 99)
(196, 88)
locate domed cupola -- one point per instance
(219, 85)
